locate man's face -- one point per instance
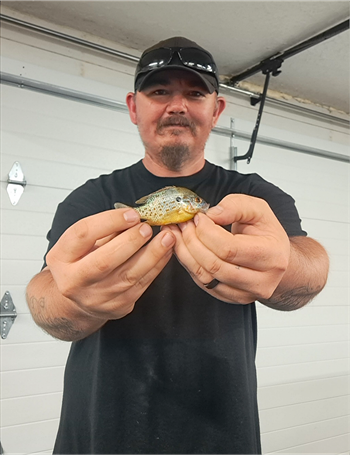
(174, 114)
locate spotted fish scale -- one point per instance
(169, 205)
(158, 206)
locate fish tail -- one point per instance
(120, 205)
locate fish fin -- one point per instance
(145, 198)
(120, 205)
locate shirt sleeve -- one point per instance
(281, 203)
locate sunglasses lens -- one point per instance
(154, 59)
(195, 58)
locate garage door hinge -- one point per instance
(15, 183)
(8, 314)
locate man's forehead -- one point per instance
(170, 76)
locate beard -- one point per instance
(174, 156)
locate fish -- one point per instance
(169, 205)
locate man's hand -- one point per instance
(251, 261)
(99, 267)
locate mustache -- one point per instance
(176, 120)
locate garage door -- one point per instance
(302, 357)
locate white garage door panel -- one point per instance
(69, 137)
(331, 446)
(22, 222)
(332, 296)
(35, 199)
(305, 433)
(217, 151)
(303, 413)
(30, 438)
(25, 330)
(63, 150)
(306, 316)
(26, 109)
(338, 278)
(335, 209)
(55, 175)
(302, 364)
(291, 394)
(34, 355)
(19, 383)
(22, 247)
(318, 185)
(302, 372)
(19, 272)
(340, 262)
(294, 167)
(319, 202)
(289, 355)
(17, 411)
(288, 336)
(296, 128)
(334, 235)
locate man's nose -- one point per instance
(177, 104)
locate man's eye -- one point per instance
(196, 94)
(160, 92)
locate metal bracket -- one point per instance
(248, 156)
(8, 314)
(15, 183)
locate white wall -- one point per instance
(303, 356)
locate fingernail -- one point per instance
(182, 226)
(217, 210)
(196, 220)
(145, 230)
(130, 216)
(168, 240)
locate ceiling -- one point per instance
(239, 34)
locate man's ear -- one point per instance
(131, 103)
(220, 106)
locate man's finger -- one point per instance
(187, 260)
(104, 260)
(247, 210)
(236, 282)
(147, 261)
(81, 237)
(231, 295)
(252, 251)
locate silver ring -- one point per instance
(212, 284)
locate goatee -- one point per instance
(174, 156)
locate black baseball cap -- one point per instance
(177, 53)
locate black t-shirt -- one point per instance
(177, 375)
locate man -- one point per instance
(163, 321)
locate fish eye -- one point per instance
(198, 200)
(178, 199)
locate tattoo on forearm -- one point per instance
(36, 304)
(62, 328)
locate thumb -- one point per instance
(239, 208)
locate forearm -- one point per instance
(304, 278)
(56, 314)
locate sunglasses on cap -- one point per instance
(191, 57)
